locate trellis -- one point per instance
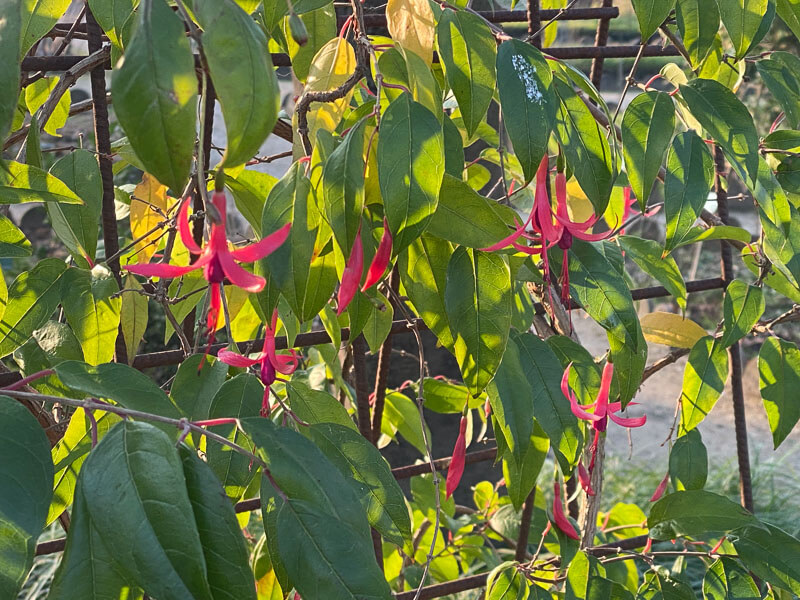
(97, 62)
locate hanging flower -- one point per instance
(585, 479)
(216, 259)
(561, 520)
(271, 362)
(381, 259)
(351, 277)
(662, 487)
(602, 408)
(456, 468)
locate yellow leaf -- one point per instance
(329, 69)
(552, 29)
(411, 22)
(670, 329)
(578, 205)
(236, 298)
(133, 317)
(268, 587)
(37, 93)
(149, 197)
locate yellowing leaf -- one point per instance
(412, 24)
(670, 329)
(578, 204)
(133, 317)
(329, 69)
(147, 200)
(236, 299)
(37, 93)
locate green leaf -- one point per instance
(789, 12)
(69, 454)
(506, 583)
(88, 569)
(520, 476)
(602, 292)
(378, 490)
(511, 397)
(133, 316)
(404, 67)
(651, 14)
(466, 218)
(647, 254)
(743, 20)
(718, 232)
(647, 128)
(401, 415)
(32, 298)
(271, 503)
(524, 84)
(660, 585)
(584, 376)
(585, 146)
(306, 286)
(343, 187)
(453, 148)
(92, 311)
(77, 226)
(695, 512)
(224, 548)
(9, 63)
(244, 78)
(703, 381)
(26, 478)
(317, 406)
(781, 73)
(743, 307)
(788, 174)
(423, 272)
(38, 17)
(13, 243)
(250, 190)
(629, 362)
(23, 183)
(467, 51)
(155, 91)
(134, 488)
(690, 173)
(379, 323)
(239, 397)
(478, 305)
(37, 93)
(410, 168)
(728, 122)
(325, 558)
(688, 462)
(783, 248)
(771, 554)
(698, 22)
(779, 375)
(49, 345)
(123, 384)
(550, 407)
(726, 580)
(115, 18)
(447, 398)
(321, 27)
(196, 383)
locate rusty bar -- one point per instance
(508, 16)
(600, 40)
(534, 19)
(737, 392)
(441, 464)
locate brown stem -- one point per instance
(382, 376)
(525, 527)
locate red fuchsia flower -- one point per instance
(216, 259)
(271, 362)
(351, 277)
(456, 468)
(603, 409)
(585, 479)
(381, 259)
(662, 487)
(561, 520)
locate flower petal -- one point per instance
(628, 421)
(560, 518)
(381, 259)
(238, 276)
(351, 277)
(456, 468)
(585, 479)
(184, 230)
(236, 360)
(662, 487)
(262, 248)
(162, 270)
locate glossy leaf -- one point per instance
(771, 554)
(779, 375)
(320, 24)
(743, 307)
(39, 92)
(379, 323)
(478, 306)
(378, 490)
(660, 584)
(412, 24)
(155, 91)
(728, 122)
(521, 476)
(647, 128)
(726, 580)
(23, 183)
(250, 190)
(116, 18)
(789, 12)
(26, 477)
(698, 23)
(703, 381)
(410, 168)
(32, 299)
(13, 242)
(134, 490)
(134, 313)
(511, 397)
(317, 406)
(224, 548)
(506, 582)
(651, 14)
(781, 73)
(695, 512)
(647, 254)
(688, 462)
(690, 173)
(38, 17)
(629, 362)
(743, 20)
(467, 51)
(524, 84)
(10, 33)
(243, 76)
(670, 329)
(92, 311)
(196, 383)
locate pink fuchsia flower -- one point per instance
(456, 468)
(351, 277)
(216, 259)
(602, 408)
(381, 259)
(561, 520)
(585, 479)
(662, 487)
(270, 361)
